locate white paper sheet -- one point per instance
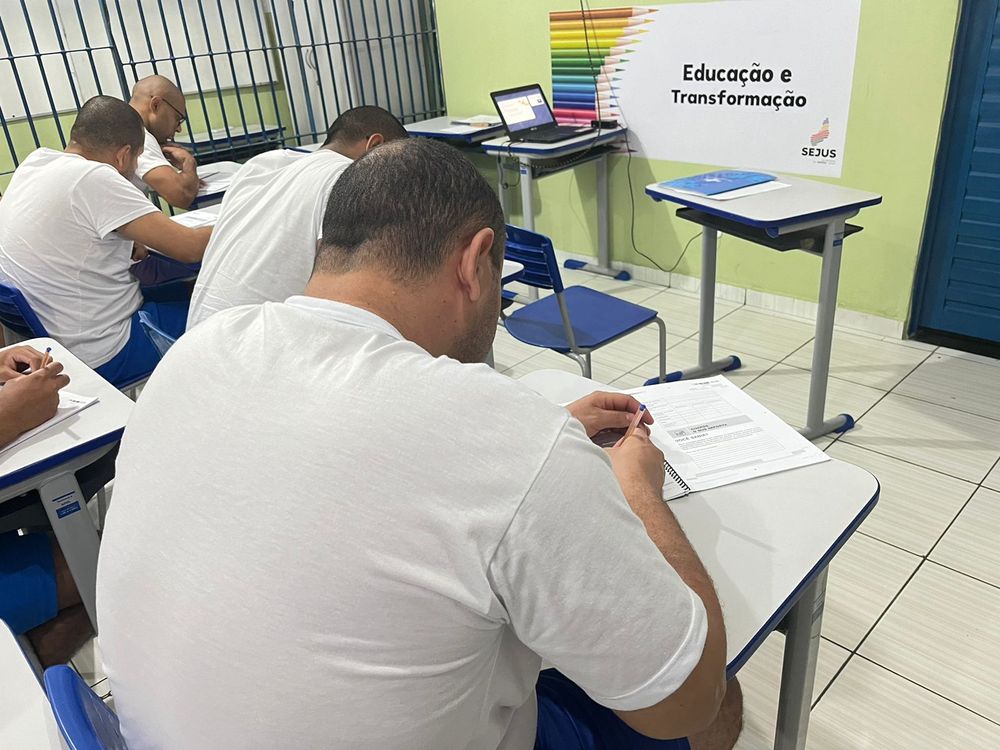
(712, 434)
(69, 404)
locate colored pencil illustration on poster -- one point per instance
(588, 49)
(719, 83)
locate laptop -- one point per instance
(528, 117)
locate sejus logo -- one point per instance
(817, 138)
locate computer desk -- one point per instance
(444, 129)
(536, 160)
(47, 463)
(807, 215)
(766, 543)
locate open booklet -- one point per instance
(712, 433)
(69, 404)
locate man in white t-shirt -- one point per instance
(163, 167)
(71, 225)
(328, 492)
(264, 242)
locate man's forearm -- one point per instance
(662, 527)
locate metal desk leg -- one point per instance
(76, 534)
(501, 193)
(798, 669)
(528, 207)
(823, 342)
(706, 323)
(603, 265)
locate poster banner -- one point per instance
(760, 84)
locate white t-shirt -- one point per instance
(59, 247)
(151, 157)
(263, 247)
(323, 536)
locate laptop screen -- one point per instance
(522, 109)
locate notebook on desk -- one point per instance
(716, 183)
(69, 404)
(713, 434)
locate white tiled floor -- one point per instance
(911, 652)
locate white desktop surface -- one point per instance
(444, 127)
(511, 268)
(505, 147)
(217, 177)
(26, 719)
(803, 198)
(199, 217)
(107, 416)
(759, 539)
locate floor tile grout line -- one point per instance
(892, 601)
(929, 690)
(877, 402)
(963, 573)
(890, 544)
(833, 679)
(946, 406)
(847, 441)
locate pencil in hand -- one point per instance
(46, 358)
(636, 418)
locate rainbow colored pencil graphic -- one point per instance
(587, 50)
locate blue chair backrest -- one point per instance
(17, 315)
(84, 719)
(535, 252)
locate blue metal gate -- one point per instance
(256, 73)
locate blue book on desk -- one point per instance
(713, 183)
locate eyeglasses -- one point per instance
(181, 115)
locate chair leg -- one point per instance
(663, 349)
(585, 364)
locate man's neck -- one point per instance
(410, 310)
(79, 150)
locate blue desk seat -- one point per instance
(598, 319)
(85, 721)
(573, 321)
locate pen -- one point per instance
(46, 358)
(635, 423)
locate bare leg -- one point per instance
(722, 735)
(58, 639)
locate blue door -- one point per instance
(958, 290)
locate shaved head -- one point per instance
(156, 86)
(161, 106)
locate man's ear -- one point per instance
(123, 159)
(375, 139)
(472, 257)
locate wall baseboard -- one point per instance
(859, 321)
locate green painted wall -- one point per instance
(211, 112)
(900, 79)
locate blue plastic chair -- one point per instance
(576, 320)
(85, 720)
(17, 316)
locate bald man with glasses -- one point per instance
(165, 168)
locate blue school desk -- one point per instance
(767, 544)
(807, 215)
(47, 463)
